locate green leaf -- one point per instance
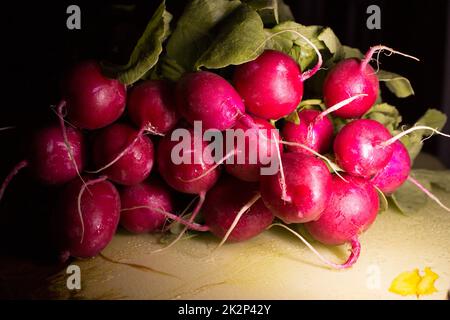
(284, 12)
(384, 205)
(350, 52)
(240, 39)
(293, 117)
(148, 48)
(332, 43)
(195, 30)
(409, 199)
(413, 142)
(438, 178)
(267, 9)
(397, 84)
(386, 114)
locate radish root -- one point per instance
(243, 210)
(80, 194)
(354, 255)
(199, 205)
(404, 133)
(7, 128)
(11, 175)
(379, 49)
(190, 225)
(428, 193)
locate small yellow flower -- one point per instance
(412, 283)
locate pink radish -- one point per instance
(135, 217)
(272, 84)
(257, 144)
(359, 148)
(207, 97)
(351, 77)
(315, 134)
(87, 218)
(396, 171)
(352, 208)
(49, 159)
(223, 203)
(124, 154)
(93, 100)
(151, 105)
(302, 194)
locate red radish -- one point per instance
(151, 105)
(351, 77)
(49, 159)
(93, 100)
(126, 156)
(303, 194)
(352, 208)
(88, 217)
(272, 84)
(152, 193)
(225, 201)
(207, 97)
(257, 145)
(396, 172)
(318, 137)
(195, 176)
(360, 147)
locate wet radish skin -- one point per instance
(352, 208)
(153, 102)
(346, 79)
(135, 165)
(320, 137)
(49, 158)
(176, 175)
(395, 173)
(100, 209)
(93, 100)
(225, 200)
(207, 97)
(308, 184)
(153, 193)
(357, 147)
(247, 171)
(270, 85)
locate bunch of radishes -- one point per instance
(126, 173)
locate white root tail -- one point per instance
(355, 249)
(336, 107)
(379, 49)
(243, 210)
(11, 175)
(80, 194)
(428, 193)
(121, 154)
(404, 133)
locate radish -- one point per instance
(352, 208)
(49, 159)
(93, 101)
(303, 194)
(272, 84)
(255, 149)
(87, 221)
(151, 105)
(318, 137)
(234, 210)
(351, 77)
(126, 156)
(359, 148)
(152, 193)
(207, 97)
(195, 176)
(396, 171)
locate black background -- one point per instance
(37, 48)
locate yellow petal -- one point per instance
(406, 283)
(426, 285)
